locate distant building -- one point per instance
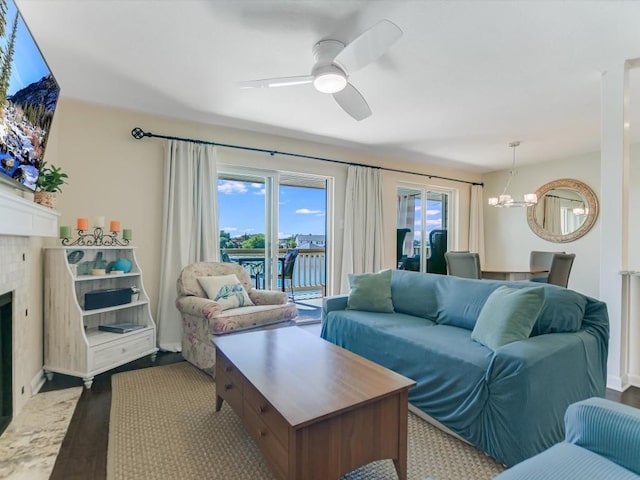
(310, 241)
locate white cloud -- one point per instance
(259, 192)
(434, 223)
(433, 212)
(307, 211)
(258, 185)
(230, 187)
(229, 229)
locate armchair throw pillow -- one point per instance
(508, 315)
(226, 290)
(370, 292)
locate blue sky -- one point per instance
(242, 209)
(28, 64)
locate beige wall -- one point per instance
(112, 174)
(508, 238)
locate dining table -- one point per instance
(512, 273)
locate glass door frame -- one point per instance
(271, 180)
(452, 216)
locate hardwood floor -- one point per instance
(83, 453)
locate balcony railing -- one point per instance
(308, 273)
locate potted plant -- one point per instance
(135, 293)
(50, 179)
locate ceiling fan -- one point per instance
(335, 62)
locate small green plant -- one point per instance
(50, 178)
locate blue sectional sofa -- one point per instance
(602, 441)
(509, 403)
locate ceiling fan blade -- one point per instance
(368, 46)
(352, 102)
(277, 82)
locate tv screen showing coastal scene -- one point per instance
(28, 98)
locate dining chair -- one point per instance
(463, 264)
(539, 260)
(436, 262)
(560, 269)
(288, 266)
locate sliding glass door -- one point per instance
(267, 216)
(423, 227)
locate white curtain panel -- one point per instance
(189, 229)
(476, 222)
(363, 242)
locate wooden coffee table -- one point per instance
(315, 410)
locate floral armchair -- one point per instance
(203, 317)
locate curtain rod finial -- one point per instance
(138, 133)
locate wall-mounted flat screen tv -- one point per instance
(28, 97)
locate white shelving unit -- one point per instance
(73, 343)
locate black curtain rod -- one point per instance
(139, 134)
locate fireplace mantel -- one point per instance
(22, 217)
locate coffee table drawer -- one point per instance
(231, 390)
(223, 365)
(268, 443)
(263, 409)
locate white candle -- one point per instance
(98, 222)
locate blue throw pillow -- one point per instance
(508, 315)
(370, 292)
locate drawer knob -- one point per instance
(261, 433)
(262, 409)
(228, 369)
(228, 386)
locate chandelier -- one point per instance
(506, 200)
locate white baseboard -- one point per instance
(619, 384)
(634, 380)
(37, 382)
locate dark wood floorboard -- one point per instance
(83, 453)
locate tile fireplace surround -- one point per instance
(21, 222)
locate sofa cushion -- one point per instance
(254, 316)
(414, 293)
(460, 301)
(562, 312)
(226, 290)
(508, 315)
(370, 292)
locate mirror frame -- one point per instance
(591, 202)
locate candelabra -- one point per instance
(98, 239)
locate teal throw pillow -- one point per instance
(370, 292)
(508, 315)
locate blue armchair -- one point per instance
(602, 441)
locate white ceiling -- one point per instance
(466, 78)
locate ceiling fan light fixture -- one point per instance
(329, 79)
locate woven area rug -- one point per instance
(163, 425)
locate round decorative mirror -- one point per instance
(566, 210)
